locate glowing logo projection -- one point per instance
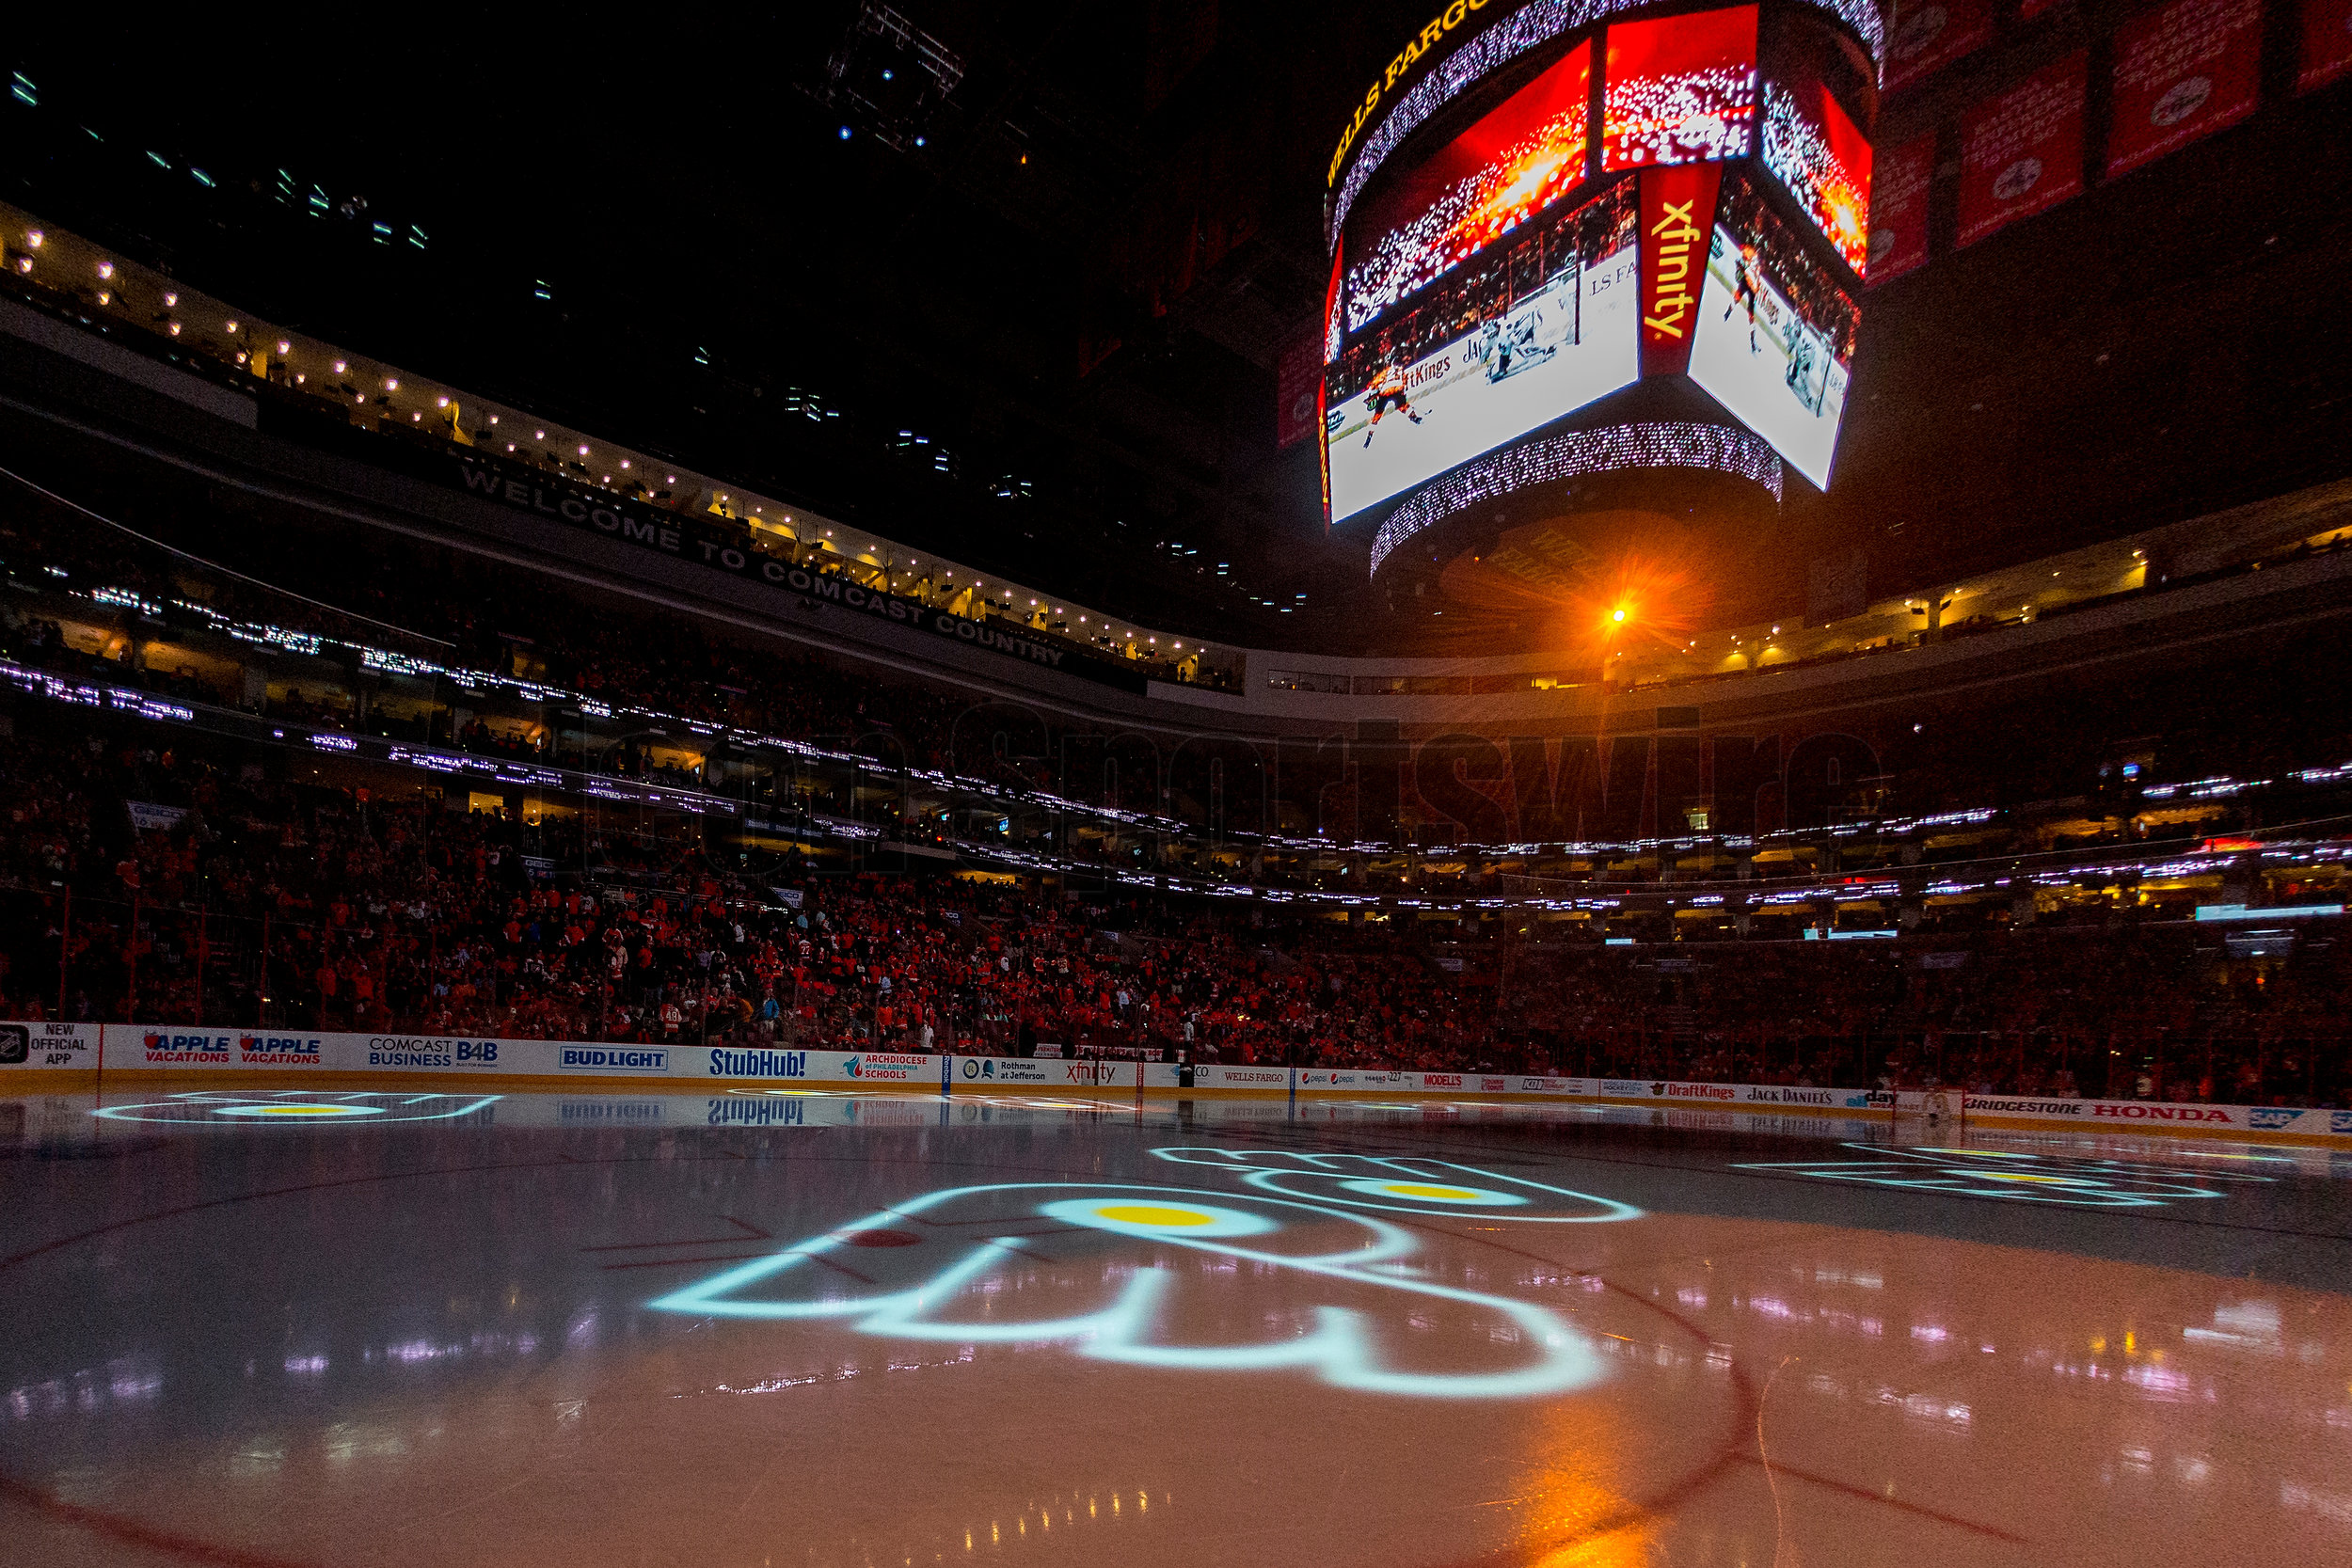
(2017, 1178)
(944, 1267)
(298, 1107)
(1402, 1185)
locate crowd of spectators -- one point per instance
(2162, 1012)
(185, 887)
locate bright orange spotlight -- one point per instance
(1617, 616)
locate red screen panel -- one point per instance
(1680, 90)
(1333, 337)
(2022, 153)
(2326, 52)
(1814, 148)
(1475, 190)
(2182, 72)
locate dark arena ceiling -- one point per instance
(1024, 303)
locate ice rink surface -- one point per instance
(864, 1331)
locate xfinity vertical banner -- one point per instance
(2182, 72)
(2326, 52)
(1899, 209)
(1677, 215)
(1927, 35)
(2022, 153)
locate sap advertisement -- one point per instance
(1775, 335)
(1474, 192)
(1508, 344)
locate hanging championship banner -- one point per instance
(2181, 73)
(1927, 35)
(2022, 153)
(1297, 378)
(1677, 219)
(2326, 52)
(1898, 209)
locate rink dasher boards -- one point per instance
(55, 1058)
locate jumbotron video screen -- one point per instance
(1814, 148)
(1679, 89)
(1776, 337)
(1474, 190)
(1523, 335)
(1486, 291)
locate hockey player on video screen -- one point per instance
(1800, 358)
(1387, 392)
(1510, 345)
(1751, 286)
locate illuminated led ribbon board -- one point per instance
(1713, 448)
(918, 1257)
